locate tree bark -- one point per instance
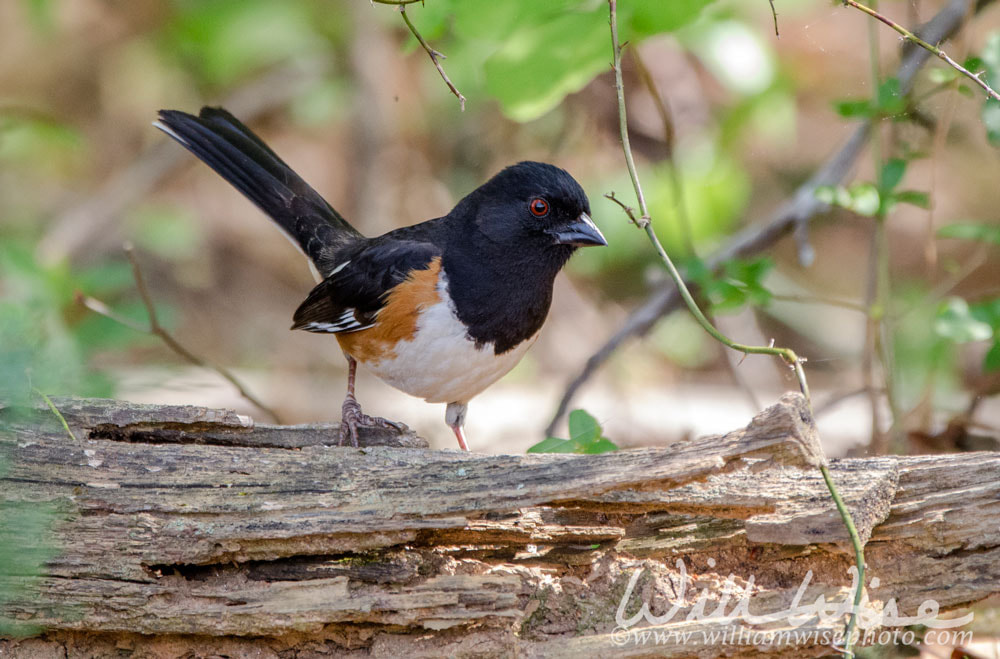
(183, 531)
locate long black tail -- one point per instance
(235, 153)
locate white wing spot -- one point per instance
(338, 269)
(170, 131)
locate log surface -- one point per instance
(183, 529)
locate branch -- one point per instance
(914, 39)
(434, 55)
(188, 526)
(644, 222)
(795, 214)
(785, 353)
(156, 329)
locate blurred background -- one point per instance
(892, 294)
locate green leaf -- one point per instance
(989, 59)
(944, 74)
(991, 120)
(984, 233)
(853, 109)
(987, 311)
(741, 283)
(826, 194)
(913, 197)
(955, 322)
(583, 427)
(546, 50)
(598, 446)
(550, 445)
(990, 64)
(865, 199)
(543, 61)
(586, 438)
(889, 99)
(892, 174)
(861, 198)
(973, 64)
(649, 17)
(887, 103)
(991, 362)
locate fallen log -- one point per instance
(172, 531)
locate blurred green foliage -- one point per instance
(875, 199)
(888, 102)
(25, 549)
(740, 283)
(48, 339)
(521, 60)
(987, 233)
(989, 63)
(531, 54)
(224, 40)
(40, 143)
(518, 60)
(712, 195)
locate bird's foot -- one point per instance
(352, 418)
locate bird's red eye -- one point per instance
(539, 207)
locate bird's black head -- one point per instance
(532, 203)
(507, 241)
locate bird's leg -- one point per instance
(351, 415)
(454, 416)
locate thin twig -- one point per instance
(821, 299)
(794, 214)
(55, 410)
(876, 255)
(970, 265)
(156, 329)
(669, 138)
(914, 39)
(434, 55)
(102, 309)
(738, 378)
(859, 560)
(774, 13)
(643, 221)
(836, 399)
(788, 355)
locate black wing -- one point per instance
(349, 299)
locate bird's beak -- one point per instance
(580, 232)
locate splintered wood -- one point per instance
(183, 530)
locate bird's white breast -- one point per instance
(441, 363)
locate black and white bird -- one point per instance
(441, 309)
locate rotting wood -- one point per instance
(195, 530)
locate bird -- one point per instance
(441, 309)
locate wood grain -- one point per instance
(181, 528)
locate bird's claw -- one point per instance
(352, 418)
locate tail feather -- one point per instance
(223, 143)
